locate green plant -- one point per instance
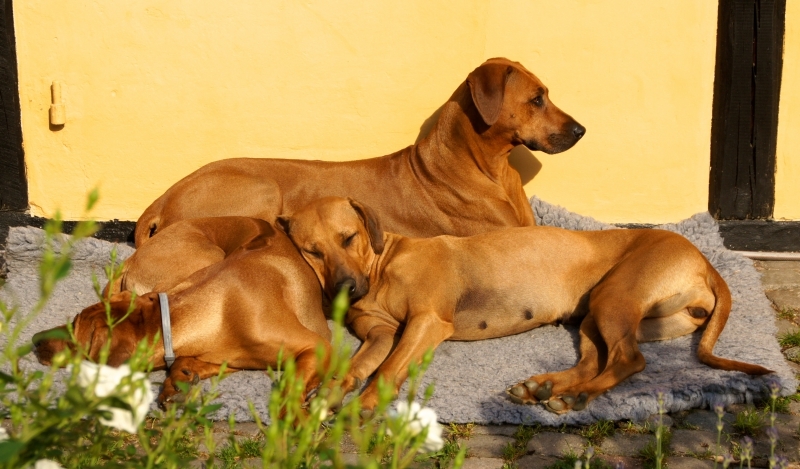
(749, 421)
(237, 451)
(654, 452)
(384, 437)
(517, 448)
(75, 427)
(789, 314)
(461, 430)
(790, 339)
(597, 431)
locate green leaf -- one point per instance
(6, 378)
(91, 199)
(9, 449)
(182, 385)
(60, 334)
(25, 349)
(210, 408)
(63, 269)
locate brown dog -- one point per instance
(629, 286)
(421, 191)
(242, 310)
(184, 248)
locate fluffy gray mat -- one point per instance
(470, 377)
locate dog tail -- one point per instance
(719, 316)
(148, 224)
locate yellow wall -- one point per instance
(155, 89)
(787, 177)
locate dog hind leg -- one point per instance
(593, 356)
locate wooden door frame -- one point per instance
(744, 126)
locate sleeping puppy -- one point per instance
(626, 286)
(243, 310)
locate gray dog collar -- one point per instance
(169, 354)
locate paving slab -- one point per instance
(774, 279)
(483, 463)
(485, 446)
(557, 444)
(679, 462)
(535, 461)
(620, 462)
(625, 445)
(707, 420)
(504, 430)
(785, 298)
(785, 327)
(698, 442)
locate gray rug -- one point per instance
(470, 377)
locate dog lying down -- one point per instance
(237, 292)
(626, 287)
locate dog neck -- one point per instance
(378, 264)
(460, 131)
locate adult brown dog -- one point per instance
(628, 286)
(184, 248)
(242, 311)
(456, 180)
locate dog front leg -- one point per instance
(187, 370)
(422, 332)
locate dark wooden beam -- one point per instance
(745, 109)
(13, 184)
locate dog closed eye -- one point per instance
(348, 240)
(313, 253)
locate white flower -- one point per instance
(415, 419)
(3, 434)
(47, 464)
(108, 384)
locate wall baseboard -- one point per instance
(739, 235)
(114, 230)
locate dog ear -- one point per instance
(487, 84)
(282, 222)
(372, 224)
(93, 335)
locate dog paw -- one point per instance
(530, 392)
(567, 402)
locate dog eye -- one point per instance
(538, 101)
(316, 254)
(348, 240)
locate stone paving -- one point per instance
(693, 436)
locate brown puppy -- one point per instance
(423, 190)
(184, 248)
(629, 286)
(242, 310)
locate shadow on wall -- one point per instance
(521, 159)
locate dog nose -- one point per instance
(578, 131)
(347, 283)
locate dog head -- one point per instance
(513, 102)
(91, 330)
(339, 238)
